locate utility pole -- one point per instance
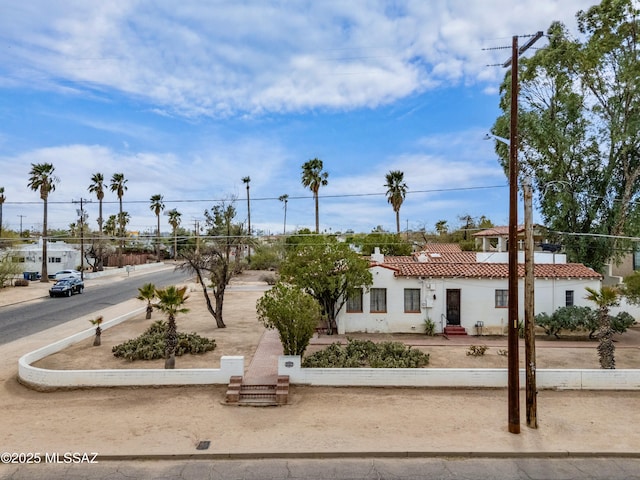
(513, 373)
(21, 217)
(81, 220)
(529, 310)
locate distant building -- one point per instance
(61, 256)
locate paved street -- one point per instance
(340, 469)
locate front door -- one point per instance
(453, 306)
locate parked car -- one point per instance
(66, 274)
(66, 287)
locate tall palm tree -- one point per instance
(43, 179)
(246, 181)
(313, 177)
(2, 199)
(396, 192)
(174, 221)
(157, 206)
(606, 298)
(171, 301)
(97, 187)
(118, 185)
(284, 198)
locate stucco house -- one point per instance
(60, 256)
(459, 289)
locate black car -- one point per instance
(66, 287)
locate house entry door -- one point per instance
(453, 306)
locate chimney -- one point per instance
(376, 256)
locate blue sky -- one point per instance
(187, 98)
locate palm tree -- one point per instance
(396, 192)
(118, 185)
(110, 225)
(97, 187)
(97, 322)
(313, 178)
(157, 206)
(174, 221)
(2, 199)
(43, 179)
(284, 198)
(246, 181)
(147, 293)
(605, 298)
(171, 301)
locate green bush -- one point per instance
(365, 353)
(567, 318)
(429, 327)
(150, 345)
(580, 318)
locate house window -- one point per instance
(636, 259)
(18, 259)
(378, 300)
(354, 301)
(568, 298)
(502, 298)
(55, 260)
(412, 300)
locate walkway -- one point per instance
(263, 368)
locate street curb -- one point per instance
(373, 455)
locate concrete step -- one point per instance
(451, 330)
(258, 395)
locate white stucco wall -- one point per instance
(477, 302)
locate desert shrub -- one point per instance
(365, 353)
(568, 318)
(429, 327)
(502, 352)
(21, 282)
(621, 322)
(477, 350)
(151, 344)
(268, 278)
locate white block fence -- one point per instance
(44, 379)
(561, 379)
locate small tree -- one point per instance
(292, 312)
(147, 293)
(97, 322)
(171, 301)
(329, 270)
(606, 298)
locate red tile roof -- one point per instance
(491, 270)
(441, 248)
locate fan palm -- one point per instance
(147, 293)
(606, 298)
(2, 199)
(157, 206)
(174, 221)
(284, 198)
(97, 187)
(313, 177)
(43, 179)
(396, 192)
(171, 301)
(118, 185)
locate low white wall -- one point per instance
(45, 379)
(573, 379)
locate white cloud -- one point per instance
(228, 58)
